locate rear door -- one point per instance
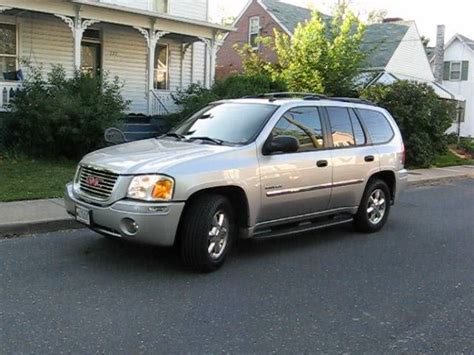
(295, 184)
(353, 156)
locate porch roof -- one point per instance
(121, 15)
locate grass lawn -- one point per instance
(31, 179)
(450, 159)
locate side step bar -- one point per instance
(302, 227)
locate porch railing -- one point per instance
(163, 103)
(7, 91)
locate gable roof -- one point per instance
(380, 41)
(288, 15)
(469, 42)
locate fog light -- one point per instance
(129, 226)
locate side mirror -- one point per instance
(281, 144)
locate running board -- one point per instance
(303, 227)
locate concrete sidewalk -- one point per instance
(27, 217)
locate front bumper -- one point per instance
(157, 223)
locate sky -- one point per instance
(457, 15)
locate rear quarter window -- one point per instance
(378, 127)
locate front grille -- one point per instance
(97, 183)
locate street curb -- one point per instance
(442, 180)
(17, 229)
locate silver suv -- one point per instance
(257, 167)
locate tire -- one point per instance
(207, 233)
(374, 207)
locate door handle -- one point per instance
(369, 158)
(322, 163)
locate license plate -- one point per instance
(83, 215)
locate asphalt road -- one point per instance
(409, 288)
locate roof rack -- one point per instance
(353, 100)
(273, 96)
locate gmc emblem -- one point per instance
(93, 181)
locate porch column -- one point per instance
(77, 26)
(152, 36)
(184, 50)
(210, 68)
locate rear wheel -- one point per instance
(207, 232)
(374, 208)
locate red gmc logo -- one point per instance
(93, 181)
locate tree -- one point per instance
(421, 115)
(253, 61)
(323, 56)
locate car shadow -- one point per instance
(123, 255)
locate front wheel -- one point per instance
(207, 232)
(374, 208)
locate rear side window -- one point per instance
(341, 127)
(304, 124)
(358, 131)
(377, 125)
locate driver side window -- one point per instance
(303, 123)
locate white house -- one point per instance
(154, 46)
(458, 77)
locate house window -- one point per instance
(254, 31)
(160, 6)
(161, 67)
(8, 48)
(455, 71)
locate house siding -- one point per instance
(457, 51)
(228, 60)
(195, 9)
(39, 47)
(410, 57)
(125, 56)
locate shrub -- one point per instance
(63, 117)
(196, 97)
(422, 116)
(467, 144)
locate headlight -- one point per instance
(151, 188)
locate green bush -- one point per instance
(422, 116)
(196, 97)
(467, 144)
(63, 117)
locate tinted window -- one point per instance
(379, 129)
(305, 125)
(357, 127)
(341, 127)
(229, 122)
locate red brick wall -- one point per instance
(228, 60)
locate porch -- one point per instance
(154, 54)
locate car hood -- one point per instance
(149, 156)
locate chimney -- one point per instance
(439, 54)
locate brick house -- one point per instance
(394, 48)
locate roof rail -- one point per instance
(283, 95)
(272, 96)
(353, 100)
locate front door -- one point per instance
(91, 58)
(295, 184)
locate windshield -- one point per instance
(235, 123)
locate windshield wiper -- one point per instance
(208, 139)
(174, 135)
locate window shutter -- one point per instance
(465, 70)
(446, 70)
